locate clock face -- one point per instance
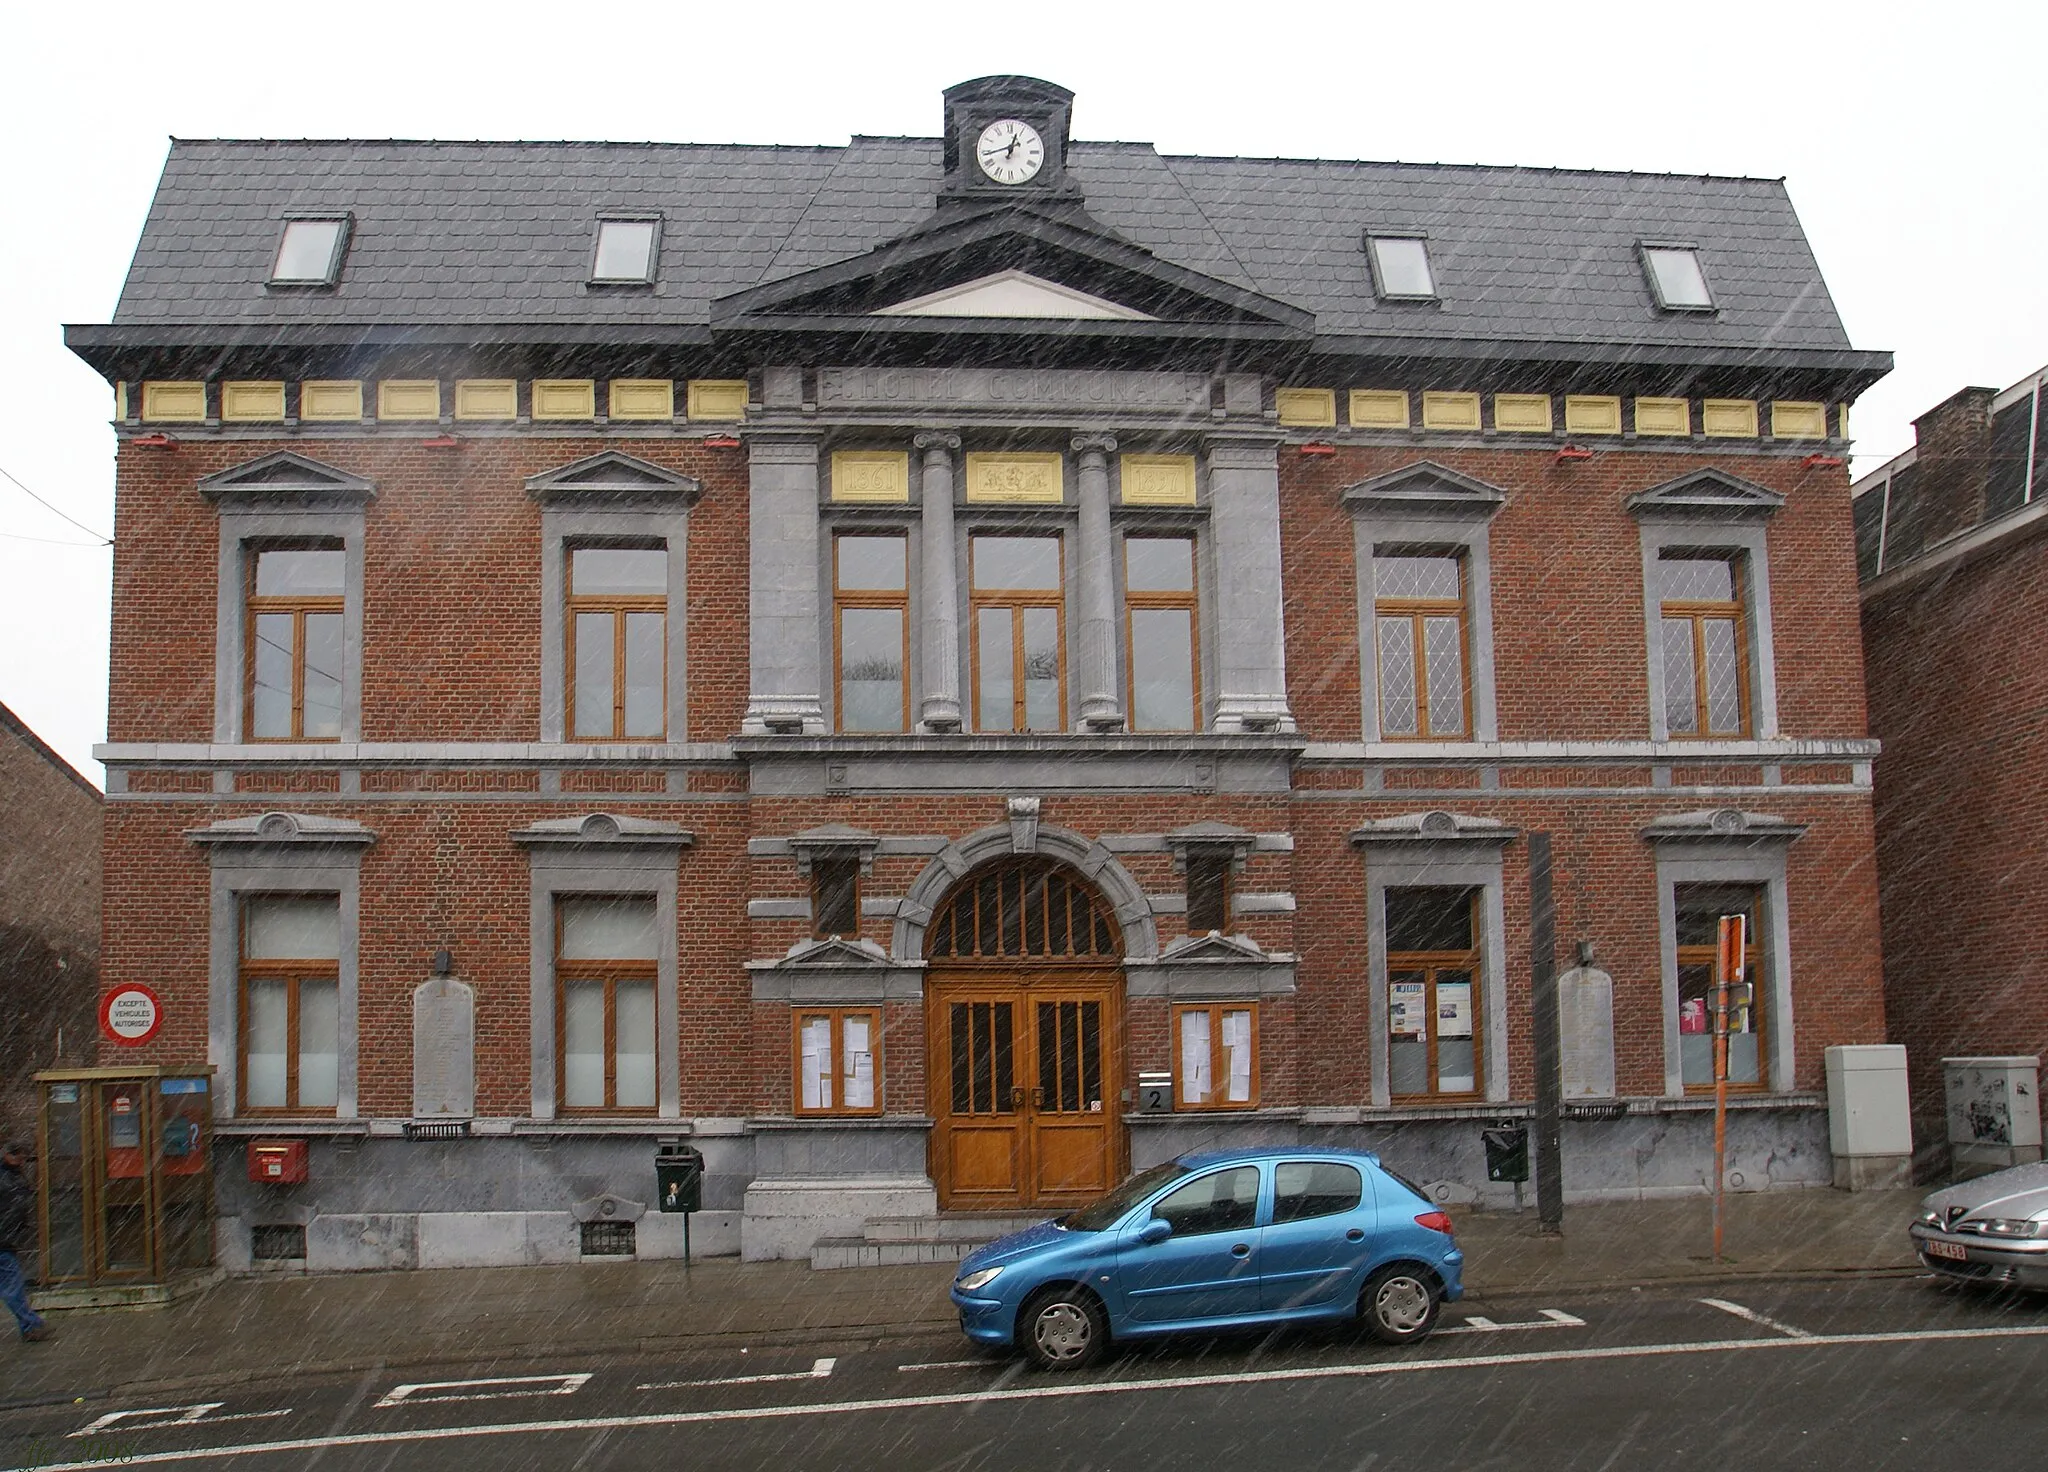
(1010, 151)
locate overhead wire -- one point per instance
(104, 540)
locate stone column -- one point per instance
(782, 589)
(940, 625)
(1244, 530)
(1100, 707)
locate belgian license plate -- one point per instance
(1951, 1250)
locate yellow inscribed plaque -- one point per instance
(486, 398)
(1014, 476)
(1521, 413)
(1729, 418)
(1450, 411)
(1592, 414)
(1158, 480)
(870, 475)
(409, 399)
(252, 401)
(331, 400)
(1307, 408)
(1379, 408)
(183, 402)
(1796, 421)
(1663, 417)
(718, 398)
(565, 398)
(643, 398)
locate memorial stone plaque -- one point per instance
(1585, 1017)
(443, 1049)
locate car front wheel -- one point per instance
(1063, 1329)
(1399, 1304)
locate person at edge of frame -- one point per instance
(17, 1220)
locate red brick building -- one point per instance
(1955, 584)
(865, 657)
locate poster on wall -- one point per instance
(1454, 1009)
(1408, 1009)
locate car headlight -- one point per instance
(2008, 1226)
(977, 1280)
(1930, 1218)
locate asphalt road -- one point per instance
(1868, 1374)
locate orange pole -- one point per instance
(1727, 970)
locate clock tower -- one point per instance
(1006, 138)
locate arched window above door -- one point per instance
(1024, 907)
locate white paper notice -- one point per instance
(1194, 1057)
(1454, 1009)
(1408, 1009)
(817, 1052)
(860, 1064)
(1237, 1048)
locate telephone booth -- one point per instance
(124, 1178)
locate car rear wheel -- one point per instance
(1399, 1304)
(1063, 1329)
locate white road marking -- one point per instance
(179, 1416)
(819, 1370)
(1371, 1370)
(1553, 1318)
(950, 1365)
(500, 1387)
(1755, 1318)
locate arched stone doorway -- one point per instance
(1024, 1016)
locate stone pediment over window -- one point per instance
(1425, 489)
(1722, 825)
(611, 478)
(1040, 268)
(286, 479)
(603, 831)
(1213, 967)
(1432, 828)
(282, 828)
(1707, 495)
(835, 971)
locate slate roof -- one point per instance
(501, 233)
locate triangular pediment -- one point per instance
(1708, 494)
(1033, 268)
(283, 476)
(836, 952)
(1014, 294)
(611, 475)
(1425, 488)
(1214, 949)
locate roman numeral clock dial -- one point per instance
(1010, 151)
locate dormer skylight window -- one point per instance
(1676, 279)
(1400, 267)
(626, 252)
(309, 251)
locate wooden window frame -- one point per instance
(1753, 978)
(843, 599)
(1190, 601)
(1218, 1099)
(1430, 963)
(255, 604)
(618, 605)
(1016, 601)
(610, 973)
(1418, 611)
(1699, 613)
(838, 1015)
(292, 971)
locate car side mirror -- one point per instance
(1156, 1230)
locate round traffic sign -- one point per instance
(131, 1014)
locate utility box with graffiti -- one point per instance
(1994, 1113)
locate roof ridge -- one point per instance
(12, 722)
(1395, 163)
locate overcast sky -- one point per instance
(1911, 138)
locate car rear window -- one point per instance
(1401, 1180)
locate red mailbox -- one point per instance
(277, 1162)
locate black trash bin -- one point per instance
(1507, 1152)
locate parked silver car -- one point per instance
(1993, 1229)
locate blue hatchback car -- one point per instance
(1215, 1240)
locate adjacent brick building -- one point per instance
(49, 916)
(1955, 588)
(862, 656)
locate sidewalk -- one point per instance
(255, 1328)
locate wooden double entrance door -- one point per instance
(1025, 1075)
(1025, 1025)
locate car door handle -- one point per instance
(1242, 1249)
(1354, 1235)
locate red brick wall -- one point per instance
(1959, 696)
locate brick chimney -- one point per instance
(1954, 464)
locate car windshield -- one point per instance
(1105, 1212)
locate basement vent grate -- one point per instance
(608, 1239)
(437, 1129)
(277, 1244)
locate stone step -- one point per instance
(975, 1229)
(856, 1252)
